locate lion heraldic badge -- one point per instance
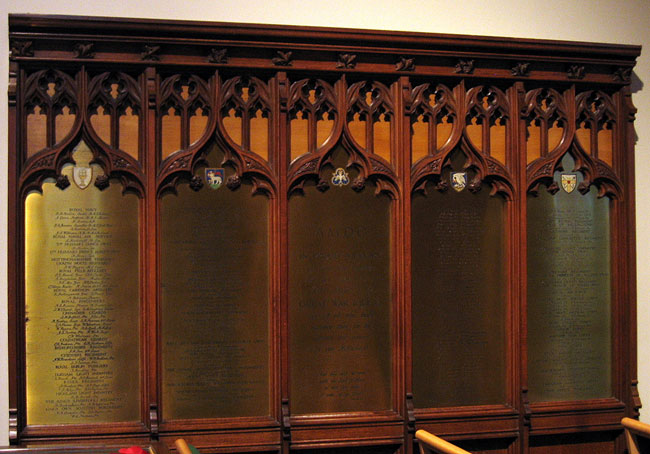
(569, 182)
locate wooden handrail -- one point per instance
(636, 426)
(182, 446)
(437, 444)
(633, 428)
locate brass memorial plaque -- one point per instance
(215, 300)
(458, 296)
(340, 297)
(82, 301)
(569, 292)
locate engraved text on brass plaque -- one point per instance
(81, 298)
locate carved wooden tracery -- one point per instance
(281, 107)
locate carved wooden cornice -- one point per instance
(165, 42)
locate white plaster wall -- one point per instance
(612, 21)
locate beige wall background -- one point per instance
(611, 21)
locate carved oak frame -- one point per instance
(522, 81)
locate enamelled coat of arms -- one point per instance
(214, 177)
(458, 180)
(569, 182)
(82, 176)
(340, 177)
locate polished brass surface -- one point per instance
(459, 298)
(569, 294)
(215, 301)
(82, 303)
(340, 298)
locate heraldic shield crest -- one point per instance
(82, 176)
(569, 182)
(214, 177)
(458, 180)
(340, 177)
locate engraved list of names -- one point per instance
(339, 290)
(81, 290)
(215, 303)
(569, 333)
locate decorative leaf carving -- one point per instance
(233, 182)
(101, 182)
(553, 188)
(44, 162)
(120, 163)
(323, 185)
(218, 55)
(84, 50)
(622, 75)
(359, 183)
(464, 67)
(576, 72)
(378, 166)
(405, 64)
(308, 167)
(21, 49)
(180, 163)
(545, 170)
(196, 183)
(347, 61)
(521, 70)
(442, 185)
(604, 170)
(150, 53)
(283, 58)
(62, 181)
